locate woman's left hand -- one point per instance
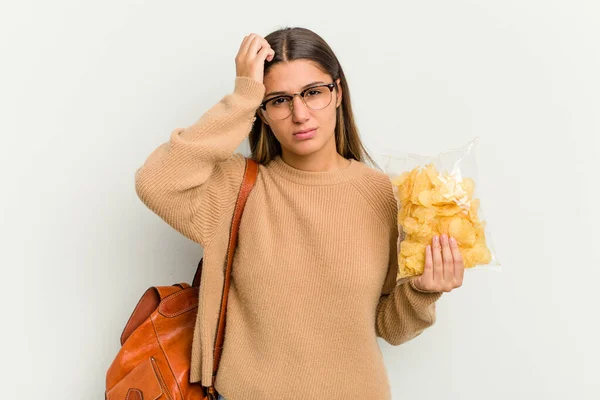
(444, 268)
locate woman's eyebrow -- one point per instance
(303, 87)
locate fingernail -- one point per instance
(444, 238)
(435, 239)
(453, 240)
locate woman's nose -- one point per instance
(299, 110)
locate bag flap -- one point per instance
(142, 380)
(179, 303)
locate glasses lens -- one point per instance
(318, 98)
(278, 108)
(315, 98)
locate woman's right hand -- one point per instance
(250, 60)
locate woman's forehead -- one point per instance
(293, 76)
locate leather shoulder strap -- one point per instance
(250, 175)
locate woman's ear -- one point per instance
(338, 93)
(262, 117)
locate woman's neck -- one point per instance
(319, 161)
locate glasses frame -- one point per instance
(330, 86)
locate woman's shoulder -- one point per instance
(376, 187)
(376, 179)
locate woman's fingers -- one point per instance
(250, 40)
(444, 268)
(244, 45)
(447, 261)
(257, 44)
(266, 53)
(428, 270)
(459, 267)
(258, 47)
(438, 267)
(250, 60)
(242, 49)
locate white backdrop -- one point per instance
(89, 89)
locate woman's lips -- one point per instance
(305, 135)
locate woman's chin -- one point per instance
(305, 148)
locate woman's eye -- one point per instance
(278, 101)
(314, 92)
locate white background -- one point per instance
(89, 89)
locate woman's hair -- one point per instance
(300, 43)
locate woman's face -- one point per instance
(293, 77)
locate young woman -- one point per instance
(314, 277)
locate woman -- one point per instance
(314, 277)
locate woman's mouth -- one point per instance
(307, 134)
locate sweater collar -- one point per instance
(280, 167)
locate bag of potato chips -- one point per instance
(438, 195)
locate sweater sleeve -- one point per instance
(403, 311)
(191, 180)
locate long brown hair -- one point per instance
(300, 43)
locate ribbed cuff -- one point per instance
(249, 88)
(414, 287)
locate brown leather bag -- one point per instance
(155, 356)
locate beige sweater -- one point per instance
(314, 274)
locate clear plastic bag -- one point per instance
(438, 195)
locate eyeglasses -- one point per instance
(315, 97)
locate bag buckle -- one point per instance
(212, 393)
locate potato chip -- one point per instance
(443, 225)
(411, 248)
(474, 206)
(424, 214)
(421, 184)
(425, 198)
(462, 231)
(448, 210)
(469, 186)
(412, 227)
(432, 174)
